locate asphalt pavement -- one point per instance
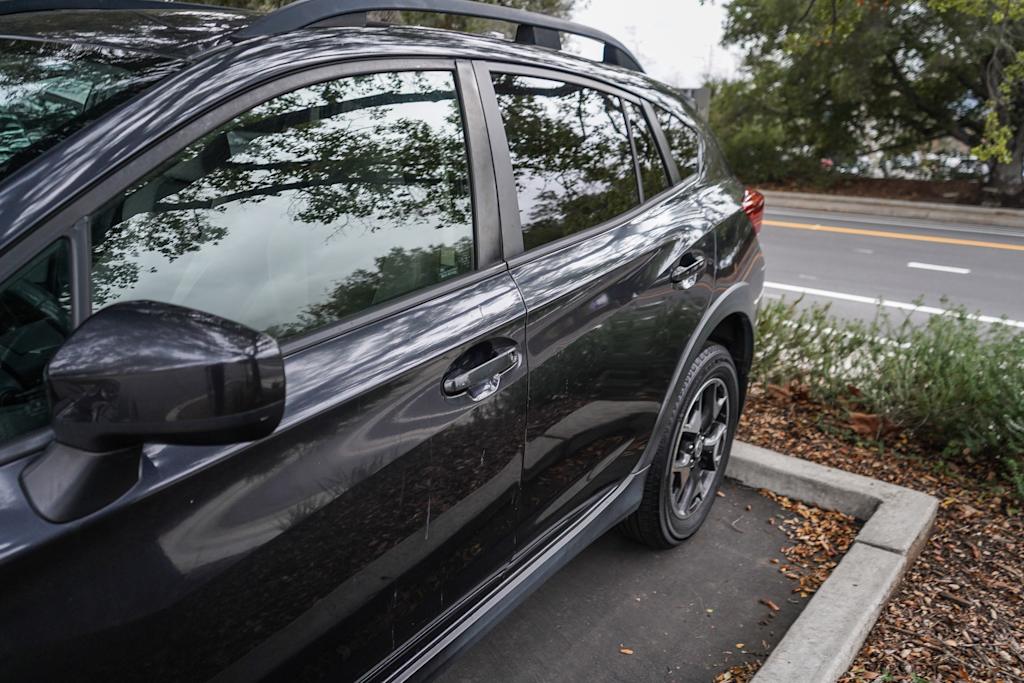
(854, 262)
(622, 612)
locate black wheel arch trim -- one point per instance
(738, 298)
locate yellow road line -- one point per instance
(894, 235)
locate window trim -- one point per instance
(667, 159)
(508, 202)
(637, 174)
(671, 174)
(666, 149)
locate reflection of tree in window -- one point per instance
(50, 90)
(570, 154)
(653, 177)
(682, 141)
(359, 289)
(266, 219)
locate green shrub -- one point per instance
(952, 382)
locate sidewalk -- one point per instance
(947, 213)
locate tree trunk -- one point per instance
(1005, 182)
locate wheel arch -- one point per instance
(736, 333)
(729, 321)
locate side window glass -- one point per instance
(306, 209)
(35, 319)
(682, 140)
(653, 176)
(571, 156)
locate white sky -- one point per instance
(676, 41)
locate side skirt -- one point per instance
(512, 590)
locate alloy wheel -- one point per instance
(698, 449)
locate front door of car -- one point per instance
(340, 216)
(614, 269)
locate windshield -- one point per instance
(50, 90)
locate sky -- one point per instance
(676, 41)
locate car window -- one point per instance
(653, 176)
(35, 319)
(682, 141)
(308, 208)
(571, 155)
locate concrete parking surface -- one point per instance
(682, 612)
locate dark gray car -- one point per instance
(323, 342)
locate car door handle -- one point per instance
(483, 380)
(685, 276)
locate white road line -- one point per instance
(942, 269)
(889, 303)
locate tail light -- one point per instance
(753, 206)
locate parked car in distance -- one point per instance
(323, 342)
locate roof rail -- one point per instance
(533, 29)
(22, 6)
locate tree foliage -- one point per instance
(840, 78)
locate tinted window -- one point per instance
(682, 141)
(570, 154)
(50, 90)
(35, 319)
(653, 176)
(306, 209)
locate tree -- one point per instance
(841, 78)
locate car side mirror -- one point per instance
(144, 371)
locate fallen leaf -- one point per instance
(866, 424)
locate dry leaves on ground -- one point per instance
(739, 673)
(819, 540)
(958, 614)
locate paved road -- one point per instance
(619, 594)
(851, 261)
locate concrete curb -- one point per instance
(823, 641)
(945, 213)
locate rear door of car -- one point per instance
(350, 212)
(613, 258)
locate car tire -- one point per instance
(682, 482)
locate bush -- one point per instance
(952, 383)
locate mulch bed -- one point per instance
(958, 614)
